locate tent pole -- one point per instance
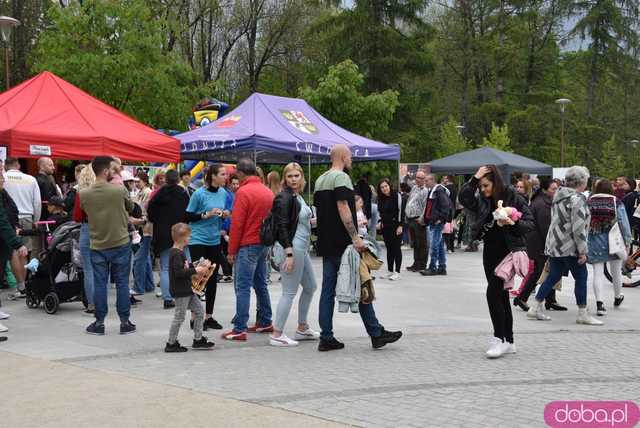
(310, 178)
(398, 176)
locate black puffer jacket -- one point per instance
(286, 211)
(481, 207)
(165, 209)
(541, 212)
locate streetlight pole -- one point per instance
(7, 24)
(563, 104)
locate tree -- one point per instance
(610, 163)
(339, 98)
(451, 139)
(113, 50)
(498, 138)
(612, 28)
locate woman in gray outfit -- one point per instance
(292, 219)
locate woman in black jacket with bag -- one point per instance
(501, 237)
(292, 220)
(391, 207)
(541, 211)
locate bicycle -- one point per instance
(630, 271)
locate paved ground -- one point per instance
(435, 376)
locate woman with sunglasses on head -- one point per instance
(292, 218)
(207, 209)
(481, 195)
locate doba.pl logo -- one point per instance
(591, 414)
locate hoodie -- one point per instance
(569, 228)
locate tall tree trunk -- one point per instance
(500, 58)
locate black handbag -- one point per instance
(268, 231)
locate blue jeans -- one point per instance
(251, 271)
(330, 268)
(438, 252)
(87, 267)
(118, 262)
(560, 265)
(142, 268)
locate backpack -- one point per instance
(268, 231)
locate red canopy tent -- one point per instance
(47, 116)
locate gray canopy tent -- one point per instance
(507, 163)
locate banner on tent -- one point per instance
(3, 153)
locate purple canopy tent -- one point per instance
(273, 129)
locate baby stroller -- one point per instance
(56, 276)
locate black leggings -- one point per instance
(227, 269)
(497, 296)
(393, 243)
(532, 281)
(213, 254)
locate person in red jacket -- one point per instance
(252, 205)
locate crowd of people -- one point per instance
(550, 228)
(126, 223)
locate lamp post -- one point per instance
(7, 25)
(563, 104)
(634, 145)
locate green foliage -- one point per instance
(610, 163)
(451, 139)
(112, 49)
(339, 98)
(498, 138)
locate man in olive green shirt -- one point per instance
(107, 207)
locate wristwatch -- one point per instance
(203, 216)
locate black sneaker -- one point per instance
(329, 345)
(134, 301)
(618, 300)
(601, 310)
(554, 306)
(174, 347)
(96, 329)
(411, 268)
(441, 271)
(127, 328)
(385, 337)
(429, 272)
(210, 323)
(169, 304)
(191, 323)
(3, 338)
(203, 343)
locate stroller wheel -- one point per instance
(51, 303)
(32, 301)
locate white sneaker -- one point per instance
(3, 328)
(497, 348)
(308, 334)
(510, 348)
(585, 318)
(282, 341)
(394, 277)
(18, 294)
(537, 313)
(4, 316)
(159, 294)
